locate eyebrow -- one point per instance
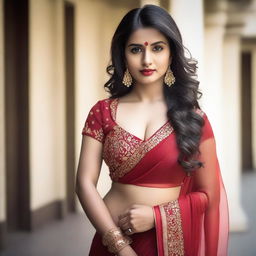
(158, 42)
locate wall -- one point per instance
(46, 105)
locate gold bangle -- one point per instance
(115, 240)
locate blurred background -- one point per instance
(53, 56)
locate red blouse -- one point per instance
(123, 151)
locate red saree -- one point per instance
(194, 224)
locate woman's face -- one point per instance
(147, 48)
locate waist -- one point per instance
(133, 194)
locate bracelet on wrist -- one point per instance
(115, 240)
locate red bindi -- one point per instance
(146, 43)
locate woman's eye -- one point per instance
(135, 50)
(158, 48)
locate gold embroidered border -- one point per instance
(141, 150)
(172, 228)
(112, 107)
(164, 228)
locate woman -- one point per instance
(167, 195)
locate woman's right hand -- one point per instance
(127, 251)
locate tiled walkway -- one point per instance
(72, 237)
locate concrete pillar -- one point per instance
(222, 60)
(250, 18)
(192, 32)
(213, 58)
(60, 90)
(231, 147)
(254, 106)
(155, 2)
(46, 101)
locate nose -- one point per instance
(147, 58)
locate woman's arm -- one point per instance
(88, 171)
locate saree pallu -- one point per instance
(197, 222)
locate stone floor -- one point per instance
(72, 237)
(244, 243)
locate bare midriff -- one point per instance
(121, 196)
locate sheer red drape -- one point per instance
(202, 208)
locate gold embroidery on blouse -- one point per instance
(118, 147)
(141, 150)
(89, 130)
(172, 225)
(96, 133)
(122, 150)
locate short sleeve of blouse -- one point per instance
(93, 123)
(207, 131)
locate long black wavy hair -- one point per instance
(181, 98)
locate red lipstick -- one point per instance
(147, 72)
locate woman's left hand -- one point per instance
(138, 218)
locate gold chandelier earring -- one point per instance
(127, 79)
(169, 78)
